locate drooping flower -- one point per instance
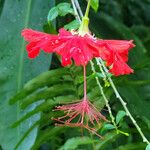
(69, 45)
(82, 49)
(84, 112)
(115, 53)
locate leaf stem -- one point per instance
(123, 103)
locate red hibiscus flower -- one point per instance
(84, 112)
(69, 45)
(80, 48)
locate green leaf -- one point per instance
(52, 14)
(148, 147)
(44, 79)
(72, 25)
(64, 9)
(100, 75)
(120, 116)
(112, 28)
(95, 5)
(132, 146)
(109, 137)
(47, 93)
(108, 127)
(61, 9)
(16, 68)
(46, 135)
(73, 143)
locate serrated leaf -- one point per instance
(73, 143)
(95, 4)
(44, 79)
(52, 14)
(72, 25)
(120, 116)
(48, 93)
(48, 105)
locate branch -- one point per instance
(123, 102)
(103, 95)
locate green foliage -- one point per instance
(16, 68)
(72, 25)
(50, 89)
(108, 127)
(120, 116)
(61, 9)
(53, 13)
(117, 20)
(95, 4)
(73, 143)
(148, 147)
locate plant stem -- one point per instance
(97, 81)
(103, 95)
(112, 84)
(88, 9)
(75, 10)
(84, 68)
(100, 67)
(79, 8)
(123, 103)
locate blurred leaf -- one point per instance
(120, 116)
(148, 147)
(95, 4)
(116, 30)
(74, 25)
(61, 9)
(49, 28)
(64, 9)
(16, 68)
(1, 5)
(52, 14)
(44, 79)
(109, 137)
(108, 127)
(49, 133)
(132, 146)
(73, 143)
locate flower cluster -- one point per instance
(82, 49)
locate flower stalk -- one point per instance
(88, 9)
(84, 29)
(84, 68)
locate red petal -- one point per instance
(64, 32)
(32, 49)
